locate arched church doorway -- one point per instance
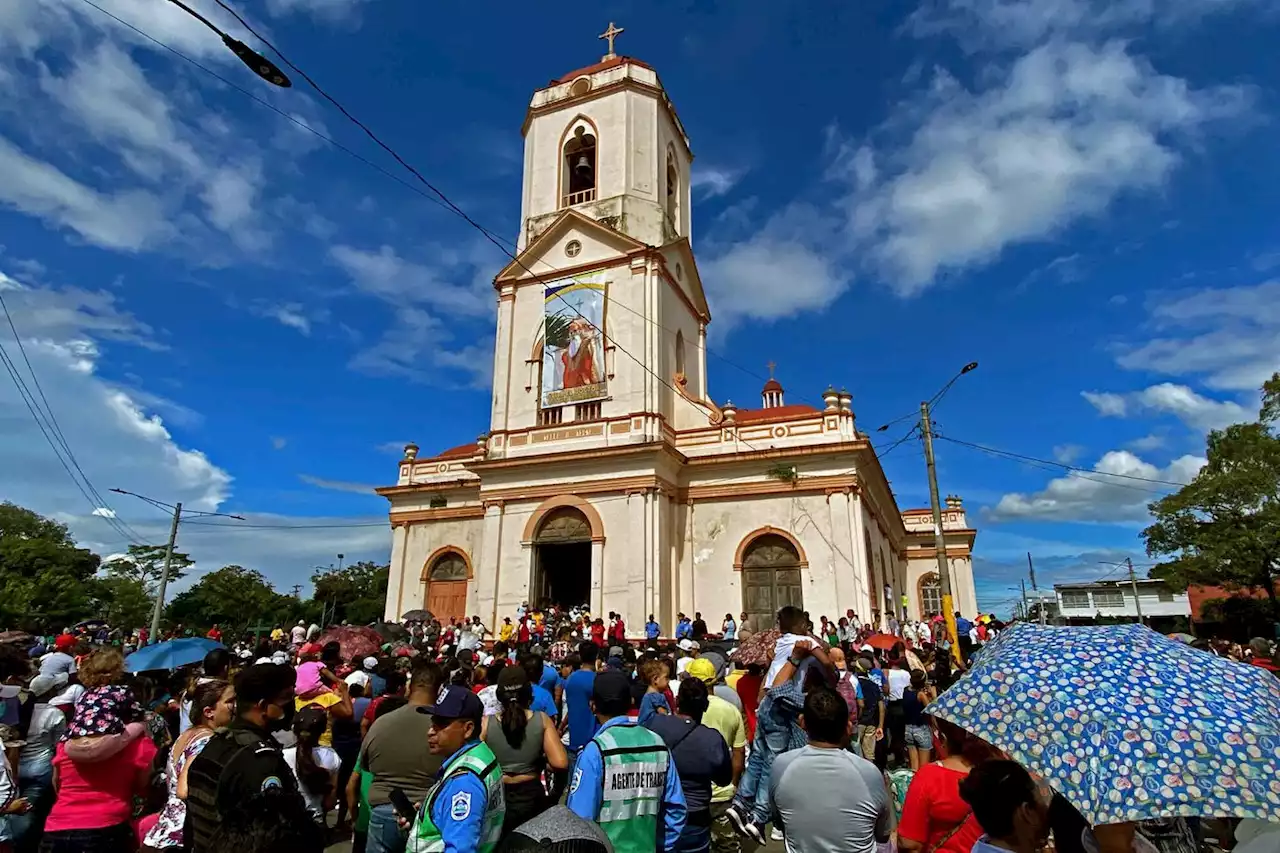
(562, 559)
(446, 579)
(770, 579)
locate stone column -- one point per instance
(597, 577)
(484, 594)
(395, 583)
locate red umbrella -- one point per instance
(757, 649)
(884, 642)
(354, 640)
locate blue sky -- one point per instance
(223, 309)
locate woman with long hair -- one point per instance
(916, 729)
(213, 704)
(524, 743)
(934, 817)
(315, 766)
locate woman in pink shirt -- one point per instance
(95, 801)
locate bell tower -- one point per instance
(605, 141)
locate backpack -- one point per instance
(871, 697)
(849, 692)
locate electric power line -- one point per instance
(1061, 465)
(49, 427)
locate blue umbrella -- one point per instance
(1126, 724)
(170, 655)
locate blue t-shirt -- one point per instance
(543, 701)
(550, 678)
(963, 627)
(649, 706)
(652, 630)
(577, 700)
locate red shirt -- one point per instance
(620, 631)
(597, 634)
(933, 808)
(215, 635)
(522, 633)
(98, 795)
(749, 692)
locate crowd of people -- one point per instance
(458, 740)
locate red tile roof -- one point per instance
(602, 65)
(457, 452)
(777, 413)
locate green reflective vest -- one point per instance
(636, 762)
(425, 837)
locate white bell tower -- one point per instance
(605, 141)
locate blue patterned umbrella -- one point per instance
(171, 654)
(1126, 724)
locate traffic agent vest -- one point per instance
(636, 762)
(425, 836)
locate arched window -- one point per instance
(930, 595)
(680, 352)
(770, 579)
(579, 169)
(449, 567)
(672, 203)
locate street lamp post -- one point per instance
(257, 63)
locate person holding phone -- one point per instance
(465, 809)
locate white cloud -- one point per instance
(120, 441)
(128, 220)
(330, 11)
(338, 485)
(1147, 443)
(998, 24)
(1109, 405)
(1067, 454)
(1096, 497)
(712, 181)
(416, 343)
(278, 443)
(290, 314)
(1061, 134)
(1230, 336)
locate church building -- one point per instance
(608, 475)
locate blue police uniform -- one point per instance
(586, 791)
(458, 810)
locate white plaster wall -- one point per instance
(963, 595)
(413, 544)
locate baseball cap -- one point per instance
(703, 670)
(454, 703)
(370, 663)
(64, 642)
(279, 658)
(557, 830)
(43, 684)
(687, 644)
(611, 686)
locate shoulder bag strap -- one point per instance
(934, 848)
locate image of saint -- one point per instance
(579, 360)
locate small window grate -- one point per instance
(587, 411)
(548, 417)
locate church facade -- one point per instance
(607, 475)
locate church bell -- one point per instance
(582, 169)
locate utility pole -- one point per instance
(1133, 581)
(164, 573)
(1026, 613)
(297, 591)
(168, 550)
(1031, 569)
(939, 541)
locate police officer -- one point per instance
(624, 778)
(463, 812)
(242, 761)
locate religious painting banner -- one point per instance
(573, 348)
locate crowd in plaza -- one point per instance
(558, 727)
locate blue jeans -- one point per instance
(770, 741)
(385, 835)
(694, 839)
(36, 789)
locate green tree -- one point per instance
(45, 579)
(124, 602)
(355, 594)
(232, 597)
(1223, 528)
(145, 563)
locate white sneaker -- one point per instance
(736, 818)
(752, 831)
(775, 834)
